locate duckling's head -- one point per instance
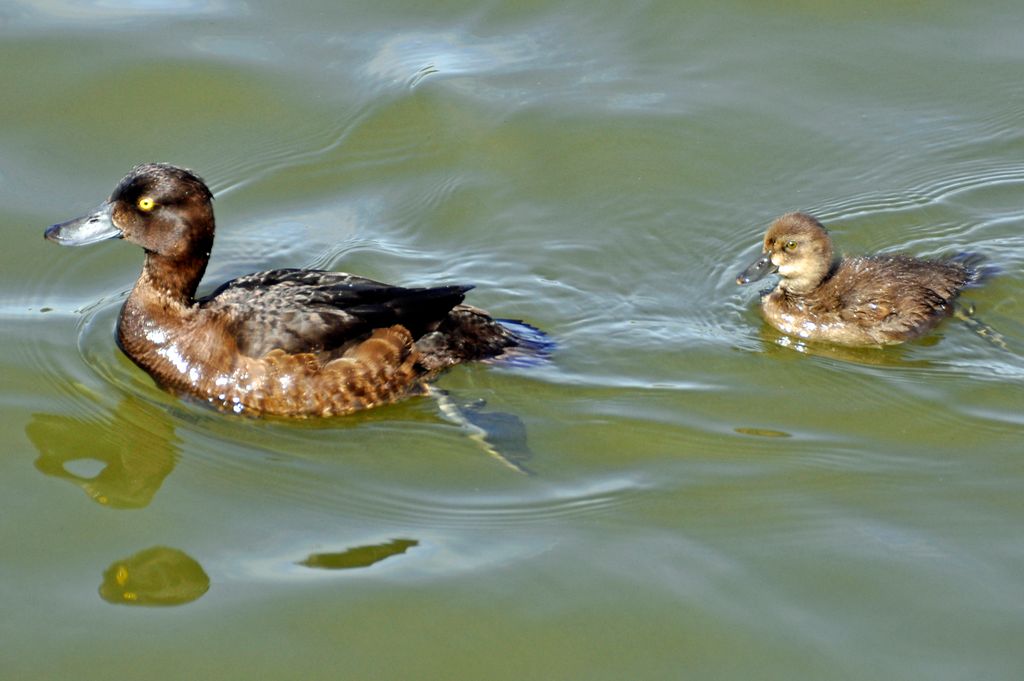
(798, 248)
(166, 210)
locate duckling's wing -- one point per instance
(316, 311)
(899, 297)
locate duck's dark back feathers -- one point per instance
(322, 312)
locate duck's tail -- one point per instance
(979, 270)
(531, 347)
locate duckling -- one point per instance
(869, 300)
(286, 342)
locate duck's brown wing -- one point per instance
(322, 312)
(897, 297)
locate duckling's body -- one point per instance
(285, 342)
(869, 300)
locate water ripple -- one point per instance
(409, 58)
(949, 191)
(290, 473)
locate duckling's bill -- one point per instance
(95, 226)
(759, 269)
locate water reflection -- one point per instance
(761, 432)
(777, 343)
(136, 449)
(359, 556)
(156, 576)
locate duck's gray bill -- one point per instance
(88, 229)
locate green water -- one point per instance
(709, 500)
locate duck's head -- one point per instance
(164, 209)
(798, 248)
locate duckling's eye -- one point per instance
(146, 203)
(789, 246)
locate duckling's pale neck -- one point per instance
(805, 280)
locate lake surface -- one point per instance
(708, 499)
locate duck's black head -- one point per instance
(164, 209)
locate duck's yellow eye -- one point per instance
(789, 246)
(146, 203)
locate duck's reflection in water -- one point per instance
(158, 576)
(359, 556)
(780, 345)
(136, 449)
